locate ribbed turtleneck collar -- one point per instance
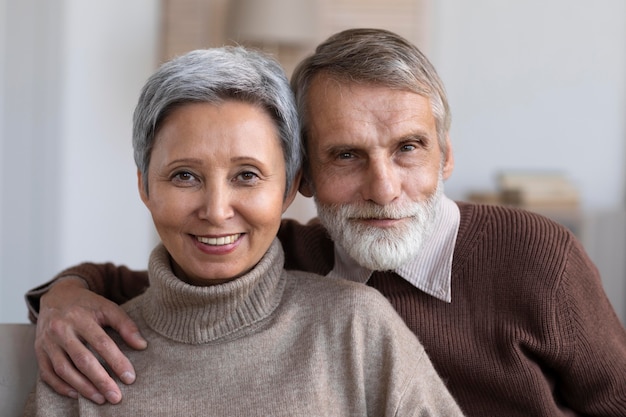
(192, 314)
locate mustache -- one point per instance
(365, 210)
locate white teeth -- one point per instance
(218, 241)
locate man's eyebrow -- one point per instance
(421, 137)
(340, 147)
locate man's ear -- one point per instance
(143, 193)
(448, 162)
(292, 191)
(306, 187)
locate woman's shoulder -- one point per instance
(344, 307)
(324, 284)
(340, 294)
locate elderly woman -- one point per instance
(230, 332)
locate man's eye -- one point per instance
(407, 148)
(345, 155)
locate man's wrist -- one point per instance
(34, 296)
(63, 284)
(71, 280)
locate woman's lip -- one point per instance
(217, 245)
(218, 240)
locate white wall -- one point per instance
(111, 50)
(29, 135)
(2, 99)
(536, 84)
(72, 73)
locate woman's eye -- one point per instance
(184, 177)
(247, 176)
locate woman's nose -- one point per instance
(216, 205)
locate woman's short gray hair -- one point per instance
(378, 57)
(212, 76)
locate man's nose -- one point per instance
(382, 183)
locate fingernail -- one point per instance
(73, 394)
(127, 377)
(97, 398)
(141, 340)
(113, 397)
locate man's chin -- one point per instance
(371, 264)
(382, 256)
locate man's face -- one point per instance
(376, 168)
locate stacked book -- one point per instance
(537, 190)
(549, 193)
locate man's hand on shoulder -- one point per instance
(71, 316)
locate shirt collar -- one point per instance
(430, 271)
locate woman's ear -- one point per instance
(292, 191)
(143, 193)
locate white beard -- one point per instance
(376, 248)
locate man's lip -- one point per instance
(378, 222)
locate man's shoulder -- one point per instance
(308, 247)
(508, 217)
(507, 229)
(292, 226)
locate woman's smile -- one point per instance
(218, 246)
(218, 241)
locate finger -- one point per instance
(72, 362)
(62, 372)
(50, 357)
(47, 375)
(65, 320)
(90, 370)
(108, 350)
(116, 318)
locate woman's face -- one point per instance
(216, 183)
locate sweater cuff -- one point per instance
(33, 297)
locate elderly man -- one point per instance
(508, 305)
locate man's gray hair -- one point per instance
(212, 76)
(373, 56)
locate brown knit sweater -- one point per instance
(270, 343)
(529, 331)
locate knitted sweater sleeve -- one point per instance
(115, 282)
(543, 336)
(593, 366)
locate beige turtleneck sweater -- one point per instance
(271, 343)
